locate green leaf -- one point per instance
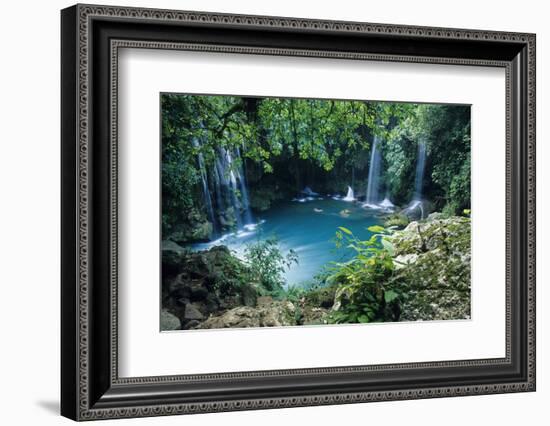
(388, 246)
(376, 229)
(363, 319)
(346, 230)
(390, 296)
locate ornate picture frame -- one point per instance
(91, 37)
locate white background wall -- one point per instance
(29, 213)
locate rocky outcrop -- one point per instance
(270, 313)
(432, 268)
(195, 228)
(196, 285)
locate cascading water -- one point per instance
(373, 183)
(232, 199)
(205, 188)
(416, 202)
(349, 196)
(387, 204)
(247, 214)
(419, 177)
(235, 203)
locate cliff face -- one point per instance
(433, 265)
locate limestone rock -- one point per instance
(192, 312)
(169, 321)
(433, 267)
(276, 314)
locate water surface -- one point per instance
(307, 226)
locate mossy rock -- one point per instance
(433, 268)
(397, 220)
(322, 297)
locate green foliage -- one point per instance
(446, 130)
(267, 264)
(286, 144)
(364, 284)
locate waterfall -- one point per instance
(387, 204)
(374, 176)
(217, 186)
(349, 196)
(205, 188)
(247, 214)
(231, 191)
(416, 202)
(233, 194)
(419, 177)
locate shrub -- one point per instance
(365, 292)
(267, 264)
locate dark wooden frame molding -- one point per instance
(91, 37)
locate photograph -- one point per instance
(280, 211)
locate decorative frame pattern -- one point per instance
(110, 397)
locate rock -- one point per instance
(191, 325)
(411, 227)
(314, 315)
(168, 245)
(243, 316)
(182, 301)
(172, 262)
(435, 216)
(264, 301)
(192, 312)
(433, 267)
(248, 294)
(322, 297)
(169, 321)
(212, 302)
(277, 314)
(194, 228)
(397, 220)
(404, 259)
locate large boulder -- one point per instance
(432, 268)
(169, 321)
(192, 312)
(194, 228)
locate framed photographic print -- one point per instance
(263, 212)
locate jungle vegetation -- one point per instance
(227, 159)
